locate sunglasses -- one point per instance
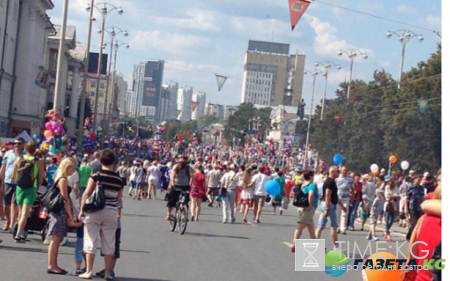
(18, 143)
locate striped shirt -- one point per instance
(112, 185)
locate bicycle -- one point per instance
(181, 216)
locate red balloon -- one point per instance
(92, 134)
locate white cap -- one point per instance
(411, 171)
(426, 174)
(232, 166)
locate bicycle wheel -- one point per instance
(172, 222)
(182, 219)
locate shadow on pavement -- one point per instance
(140, 216)
(31, 250)
(137, 279)
(215, 235)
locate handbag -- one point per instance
(285, 203)
(301, 199)
(52, 199)
(411, 274)
(390, 207)
(96, 201)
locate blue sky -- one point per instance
(199, 38)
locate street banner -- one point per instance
(221, 81)
(297, 9)
(422, 105)
(194, 105)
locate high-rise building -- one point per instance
(271, 75)
(172, 112)
(216, 110)
(200, 109)
(147, 84)
(184, 100)
(164, 104)
(229, 110)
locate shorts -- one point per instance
(332, 215)
(26, 196)
(364, 216)
(10, 194)
(174, 195)
(306, 217)
(213, 191)
(259, 201)
(153, 181)
(374, 221)
(124, 180)
(133, 184)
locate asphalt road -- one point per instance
(208, 251)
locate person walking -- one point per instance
(103, 222)
(390, 207)
(9, 191)
(414, 197)
(345, 185)
(140, 181)
(328, 206)
(306, 215)
(153, 174)
(29, 174)
(355, 200)
(276, 200)
(95, 164)
(247, 194)
(197, 191)
(213, 184)
(51, 169)
(259, 181)
(229, 183)
(132, 178)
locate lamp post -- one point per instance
(351, 53)
(326, 65)
(85, 78)
(314, 74)
(114, 31)
(105, 9)
(117, 45)
(61, 54)
(404, 36)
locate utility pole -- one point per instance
(61, 54)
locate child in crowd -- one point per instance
(375, 212)
(364, 210)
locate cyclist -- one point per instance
(180, 181)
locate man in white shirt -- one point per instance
(259, 181)
(213, 184)
(228, 185)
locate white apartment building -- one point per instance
(131, 103)
(229, 110)
(216, 110)
(184, 103)
(200, 110)
(172, 111)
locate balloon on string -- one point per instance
(272, 187)
(48, 133)
(374, 168)
(58, 143)
(393, 159)
(375, 275)
(338, 159)
(404, 165)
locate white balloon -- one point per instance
(374, 168)
(405, 165)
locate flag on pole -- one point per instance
(194, 105)
(422, 105)
(297, 9)
(221, 81)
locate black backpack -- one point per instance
(301, 200)
(25, 176)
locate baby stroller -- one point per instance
(37, 221)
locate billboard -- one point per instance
(93, 63)
(149, 94)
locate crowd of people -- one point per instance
(234, 180)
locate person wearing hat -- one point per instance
(375, 212)
(228, 184)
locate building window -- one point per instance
(92, 94)
(100, 94)
(102, 85)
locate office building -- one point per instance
(271, 75)
(172, 111)
(184, 100)
(216, 110)
(200, 109)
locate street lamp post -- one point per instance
(326, 65)
(314, 74)
(85, 78)
(61, 54)
(104, 12)
(113, 33)
(404, 36)
(351, 53)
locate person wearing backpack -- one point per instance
(28, 174)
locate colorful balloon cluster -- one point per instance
(160, 129)
(90, 140)
(56, 140)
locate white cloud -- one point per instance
(197, 19)
(253, 27)
(327, 43)
(433, 22)
(166, 42)
(406, 10)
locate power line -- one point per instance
(375, 16)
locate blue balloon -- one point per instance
(58, 143)
(52, 149)
(338, 159)
(272, 188)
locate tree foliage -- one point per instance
(380, 120)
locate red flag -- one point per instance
(194, 105)
(297, 8)
(337, 118)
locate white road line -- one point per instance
(287, 244)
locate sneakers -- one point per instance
(369, 237)
(374, 238)
(78, 272)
